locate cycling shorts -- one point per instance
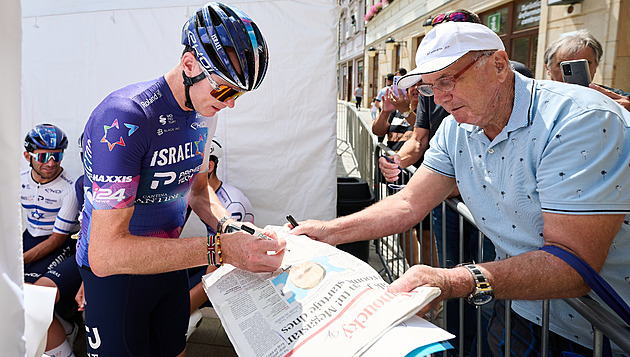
(136, 315)
(37, 269)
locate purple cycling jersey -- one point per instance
(141, 149)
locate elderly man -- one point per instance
(529, 178)
(581, 45)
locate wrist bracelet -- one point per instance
(220, 226)
(214, 245)
(218, 249)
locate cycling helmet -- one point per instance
(46, 137)
(216, 149)
(216, 29)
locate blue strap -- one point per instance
(593, 280)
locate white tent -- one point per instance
(279, 141)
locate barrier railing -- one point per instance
(357, 133)
(399, 251)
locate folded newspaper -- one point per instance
(321, 301)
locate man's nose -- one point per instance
(440, 96)
(230, 103)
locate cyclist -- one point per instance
(143, 148)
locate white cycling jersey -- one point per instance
(236, 203)
(50, 207)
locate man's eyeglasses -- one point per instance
(44, 157)
(445, 84)
(453, 16)
(221, 92)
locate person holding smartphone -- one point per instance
(581, 45)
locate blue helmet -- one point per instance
(221, 35)
(46, 137)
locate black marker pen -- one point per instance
(255, 233)
(292, 221)
(392, 161)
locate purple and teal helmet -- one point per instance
(216, 29)
(46, 137)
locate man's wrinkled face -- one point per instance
(468, 100)
(555, 72)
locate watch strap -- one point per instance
(482, 286)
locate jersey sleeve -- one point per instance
(115, 144)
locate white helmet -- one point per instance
(215, 148)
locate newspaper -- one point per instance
(321, 301)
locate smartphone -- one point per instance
(395, 86)
(576, 72)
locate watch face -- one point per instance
(482, 299)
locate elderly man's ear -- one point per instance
(501, 65)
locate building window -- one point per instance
(360, 72)
(517, 25)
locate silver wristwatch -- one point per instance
(483, 293)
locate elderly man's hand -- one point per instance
(317, 230)
(250, 253)
(390, 171)
(453, 283)
(620, 99)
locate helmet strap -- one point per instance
(188, 82)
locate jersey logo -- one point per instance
(107, 178)
(151, 99)
(166, 119)
(197, 143)
(94, 342)
(132, 128)
(111, 145)
(173, 154)
(170, 177)
(37, 215)
(197, 125)
(107, 194)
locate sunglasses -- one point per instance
(221, 92)
(453, 16)
(44, 157)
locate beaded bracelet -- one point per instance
(214, 245)
(218, 248)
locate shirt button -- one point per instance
(490, 151)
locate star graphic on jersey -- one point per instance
(197, 143)
(132, 128)
(120, 141)
(37, 215)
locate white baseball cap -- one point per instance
(447, 43)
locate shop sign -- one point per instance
(494, 22)
(527, 14)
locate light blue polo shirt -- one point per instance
(564, 150)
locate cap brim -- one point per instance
(409, 79)
(440, 63)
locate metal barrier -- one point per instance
(399, 251)
(354, 131)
